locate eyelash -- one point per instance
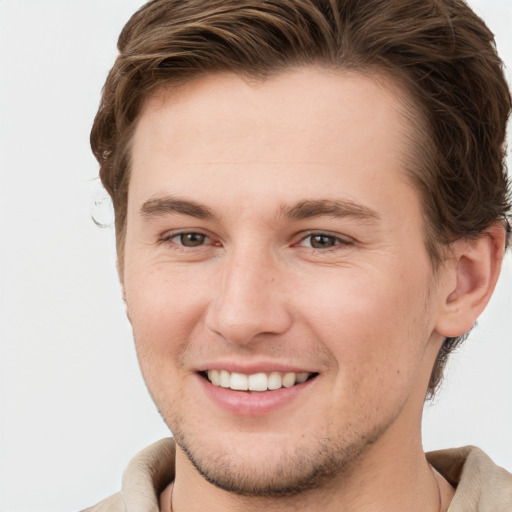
(169, 239)
(338, 242)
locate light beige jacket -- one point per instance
(481, 486)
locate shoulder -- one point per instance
(146, 475)
(114, 503)
(480, 483)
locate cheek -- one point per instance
(376, 327)
(164, 308)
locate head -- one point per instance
(304, 188)
(438, 55)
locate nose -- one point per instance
(250, 300)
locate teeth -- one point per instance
(239, 381)
(302, 377)
(214, 376)
(224, 378)
(256, 381)
(275, 381)
(289, 380)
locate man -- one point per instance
(311, 213)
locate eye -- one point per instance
(323, 241)
(189, 239)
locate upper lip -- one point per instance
(254, 367)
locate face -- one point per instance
(281, 297)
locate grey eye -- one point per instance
(323, 241)
(192, 239)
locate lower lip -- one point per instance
(256, 403)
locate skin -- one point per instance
(366, 312)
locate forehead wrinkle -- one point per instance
(169, 204)
(328, 207)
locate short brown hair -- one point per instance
(440, 51)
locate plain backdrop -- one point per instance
(73, 406)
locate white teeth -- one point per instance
(239, 381)
(289, 380)
(275, 381)
(214, 377)
(256, 381)
(224, 378)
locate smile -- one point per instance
(256, 381)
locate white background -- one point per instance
(73, 407)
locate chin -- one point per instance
(270, 465)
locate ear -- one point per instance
(472, 273)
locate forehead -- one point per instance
(223, 134)
(323, 96)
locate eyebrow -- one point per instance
(168, 204)
(328, 207)
(302, 210)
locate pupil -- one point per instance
(322, 241)
(192, 239)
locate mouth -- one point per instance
(256, 382)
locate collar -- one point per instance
(481, 485)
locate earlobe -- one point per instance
(473, 272)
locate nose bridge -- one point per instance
(249, 300)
